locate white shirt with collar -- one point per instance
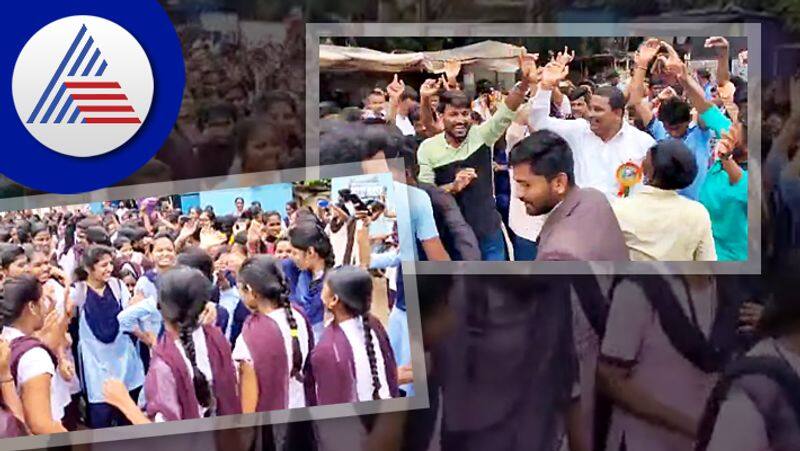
(596, 161)
(34, 363)
(405, 125)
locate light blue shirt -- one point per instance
(229, 300)
(414, 219)
(698, 140)
(152, 321)
(102, 361)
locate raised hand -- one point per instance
(254, 232)
(552, 73)
(565, 57)
(396, 88)
(452, 68)
(674, 64)
(717, 42)
(430, 88)
(647, 51)
(527, 64)
(209, 315)
(188, 229)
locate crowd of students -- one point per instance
(662, 158)
(141, 314)
(242, 109)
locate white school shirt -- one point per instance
(34, 363)
(354, 331)
(203, 364)
(297, 394)
(596, 161)
(58, 292)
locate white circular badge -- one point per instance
(82, 86)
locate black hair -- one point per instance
(547, 153)
(592, 85)
(409, 93)
(16, 294)
(9, 254)
(90, 258)
(704, 73)
(97, 235)
(37, 228)
(353, 287)
(484, 86)
(120, 242)
(674, 166)
(308, 234)
(578, 93)
(263, 274)
(238, 199)
(674, 111)
(293, 204)
(23, 231)
(85, 223)
(414, 114)
(270, 214)
(455, 99)
(166, 235)
(182, 296)
(616, 99)
(327, 108)
(194, 257)
(240, 239)
(264, 102)
(216, 109)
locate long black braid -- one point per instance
(202, 389)
(373, 361)
(182, 295)
(353, 286)
(263, 274)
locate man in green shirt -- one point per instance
(460, 158)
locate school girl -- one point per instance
(11, 413)
(191, 373)
(32, 365)
(13, 261)
(272, 351)
(311, 259)
(353, 360)
(105, 350)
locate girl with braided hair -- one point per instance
(312, 257)
(191, 371)
(353, 361)
(272, 351)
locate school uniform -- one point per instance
(169, 386)
(341, 366)
(58, 292)
(30, 359)
(635, 338)
(266, 344)
(105, 350)
(754, 416)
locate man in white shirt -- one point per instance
(402, 99)
(600, 144)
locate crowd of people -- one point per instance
(653, 168)
(242, 109)
(144, 314)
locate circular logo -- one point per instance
(93, 91)
(82, 86)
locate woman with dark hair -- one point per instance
(311, 258)
(272, 351)
(32, 363)
(657, 222)
(756, 404)
(191, 374)
(353, 361)
(13, 261)
(41, 238)
(105, 350)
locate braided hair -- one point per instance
(309, 233)
(353, 286)
(182, 295)
(263, 274)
